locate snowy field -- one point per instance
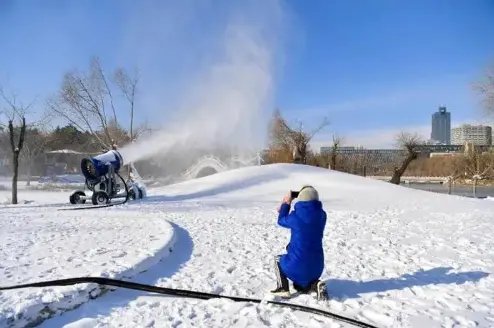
(39, 244)
(395, 257)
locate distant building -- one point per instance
(441, 126)
(328, 150)
(479, 135)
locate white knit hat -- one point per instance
(308, 193)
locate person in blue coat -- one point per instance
(303, 263)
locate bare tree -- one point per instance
(477, 166)
(88, 102)
(15, 114)
(30, 141)
(485, 88)
(293, 138)
(455, 169)
(334, 152)
(409, 142)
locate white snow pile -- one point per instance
(38, 244)
(394, 257)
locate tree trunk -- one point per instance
(28, 182)
(475, 188)
(450, 186)
(398, 172)
(15, 177)
(15, 154)
(332, 162)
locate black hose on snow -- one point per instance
(183, 293)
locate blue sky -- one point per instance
(373, 67)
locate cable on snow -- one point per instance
(184, 293)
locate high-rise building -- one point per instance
(479, 135)
(441, 126)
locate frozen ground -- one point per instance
(395, 257)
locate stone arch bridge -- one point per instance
(209, 164)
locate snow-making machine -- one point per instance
(104, 181)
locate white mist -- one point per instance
(229, 100)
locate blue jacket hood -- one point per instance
(308, 211)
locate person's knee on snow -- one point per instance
(303, 263)
(311, 288)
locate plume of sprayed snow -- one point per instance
(228, 101)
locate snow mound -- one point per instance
(44, 245)
(269, 183)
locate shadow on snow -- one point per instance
(104, 305)
(342, 289)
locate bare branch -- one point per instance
(408, 141)
(295, 140)
(15, 109)
(87, 101)
(74, 114)
(485, 89)
(325, 122)
(81, 102)
(128, 87)
(107, 90)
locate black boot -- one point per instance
(301, 289)
(320, 288)
(283, 287)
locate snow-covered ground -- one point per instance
(55, 189)
(39, 243)
(395, 257)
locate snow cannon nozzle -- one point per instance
(93, 168)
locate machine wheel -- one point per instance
(75, 197)
(132, 195)
(140, 193)
(100, 197)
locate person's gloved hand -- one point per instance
(287, 199)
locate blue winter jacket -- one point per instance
(304, 261)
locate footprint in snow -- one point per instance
(118, 254)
